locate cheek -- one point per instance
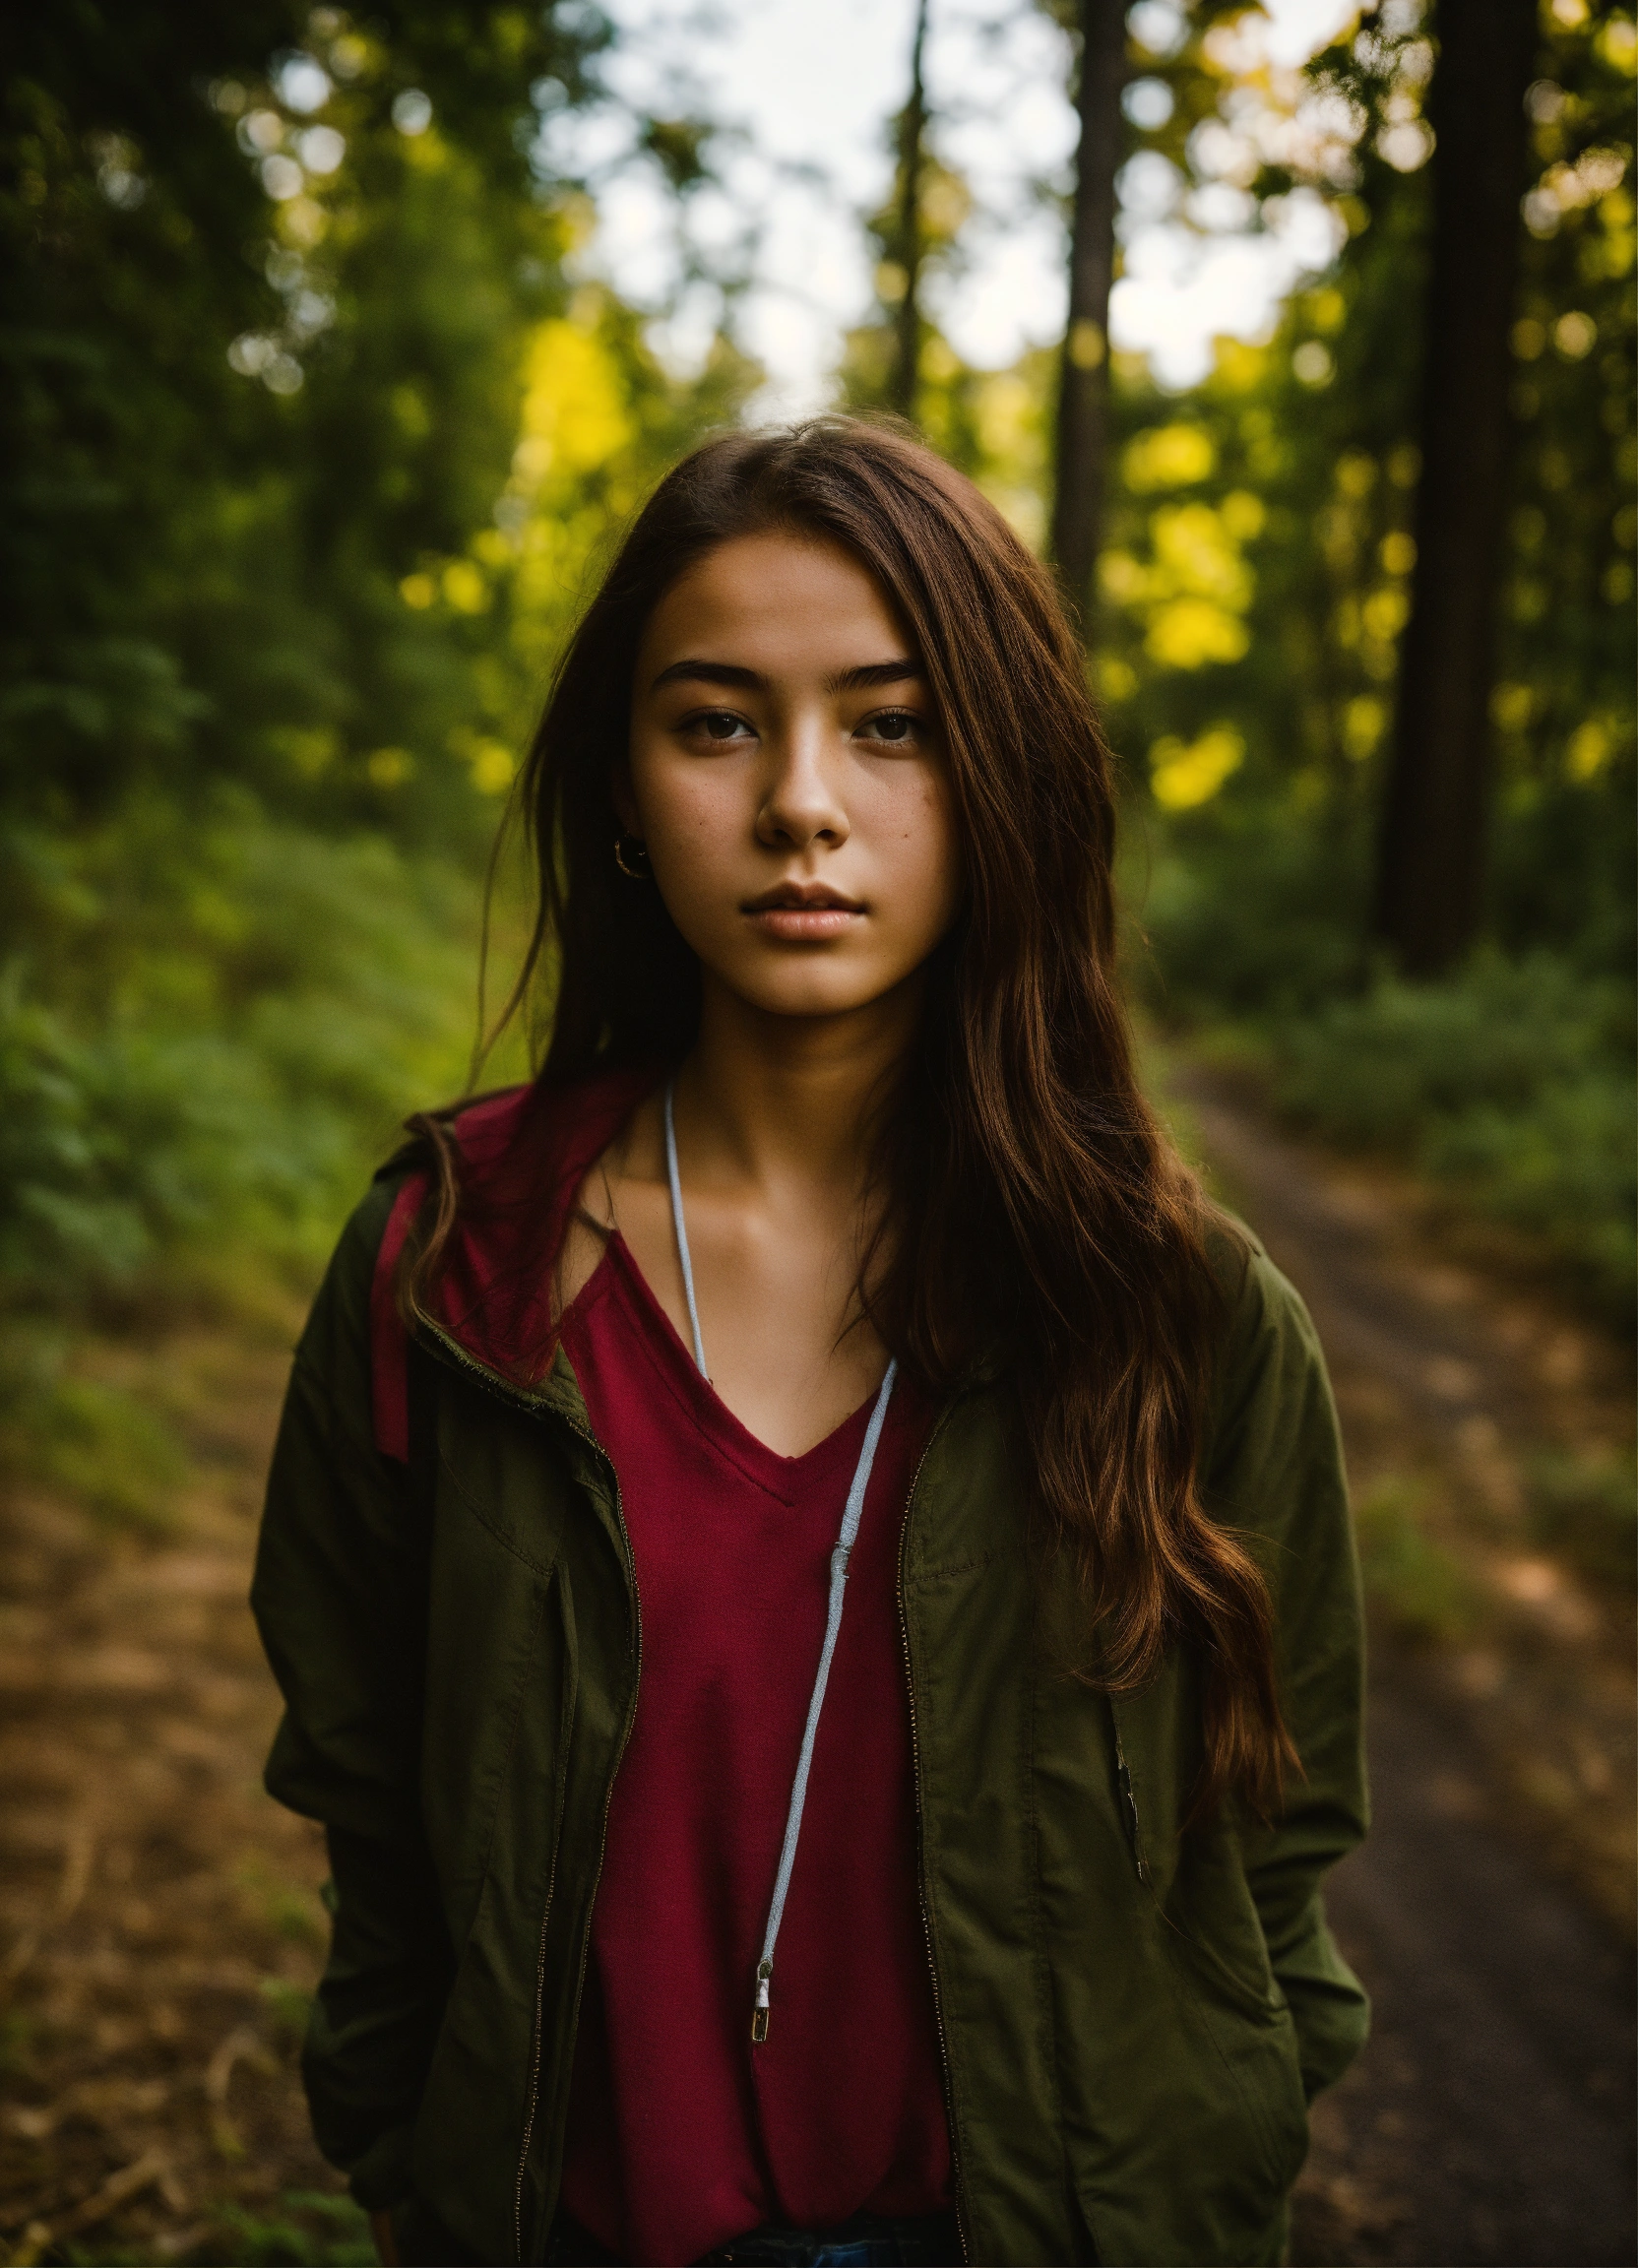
(682, 808)
(692, 818)
(923, 853)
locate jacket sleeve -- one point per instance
(1275, 1474)
(340, 1597)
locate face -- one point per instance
(788, 775)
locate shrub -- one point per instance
(1424, 1592)
(1511, 1083)
(1240, 913)
(211, 1040)
(1588, 1509)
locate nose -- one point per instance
(802, 805)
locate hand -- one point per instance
(386, 2243)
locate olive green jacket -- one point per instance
(1131, 2019)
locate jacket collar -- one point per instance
(523, 1154)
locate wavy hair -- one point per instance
(1035, 1217)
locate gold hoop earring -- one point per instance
(622, 856)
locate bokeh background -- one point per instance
(339, 348)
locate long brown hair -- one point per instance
(1037, 1217)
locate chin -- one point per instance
(814, 990)
(818, 1000)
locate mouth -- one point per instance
(804, 912)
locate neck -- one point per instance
(780, 1099)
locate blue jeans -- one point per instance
(868, 2241)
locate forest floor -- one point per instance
(1491, 1913)
(160, 1925)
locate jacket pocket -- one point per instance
(1250, 2026)
(1246, 1983)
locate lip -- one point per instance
(802, 913)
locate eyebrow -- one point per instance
(731, 673)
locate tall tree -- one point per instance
(1084, 382)
(1430, 851)
(913, 131)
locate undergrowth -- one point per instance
(1423, 1589)
(304, 2229)
(1587, 1509)
(1509, 1084)
(210, 1031)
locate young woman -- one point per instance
(808, 1566)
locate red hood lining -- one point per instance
(523, 1154)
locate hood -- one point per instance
(524, 1152)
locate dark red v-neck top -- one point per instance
(682, 2133)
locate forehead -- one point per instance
(782, 604)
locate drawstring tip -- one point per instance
(759, 2014)
(759, 2027)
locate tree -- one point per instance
(1431, 853)
(1083, 386)
(912, 136)
(898, 360)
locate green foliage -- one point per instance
(17, 2034)
(310, 2230)
(1513, 1083)
(288, 2004)
(1510, 1084)
(1381, 1064)
(1587, 1508)
(280, 302)
(1262, 528)
(215, 1032)
(308, 442)
(1420, 1587)
(240, 1012)
(290, 1908)
(1256, 581)
(1236, 912)
(259, 364)
(94, 1442)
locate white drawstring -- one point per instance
(682, 1234)
(852, 1514)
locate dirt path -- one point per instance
(1492, 2117)
(160, 1923)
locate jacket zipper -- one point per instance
(534, 2060)
(536, 1406)
(920, 1882)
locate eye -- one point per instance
(897, 727)
(718, 725)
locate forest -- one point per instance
(320, 416)
(317, 428)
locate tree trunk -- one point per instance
(1431, 847)
(912, 128)
(1084, 380)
